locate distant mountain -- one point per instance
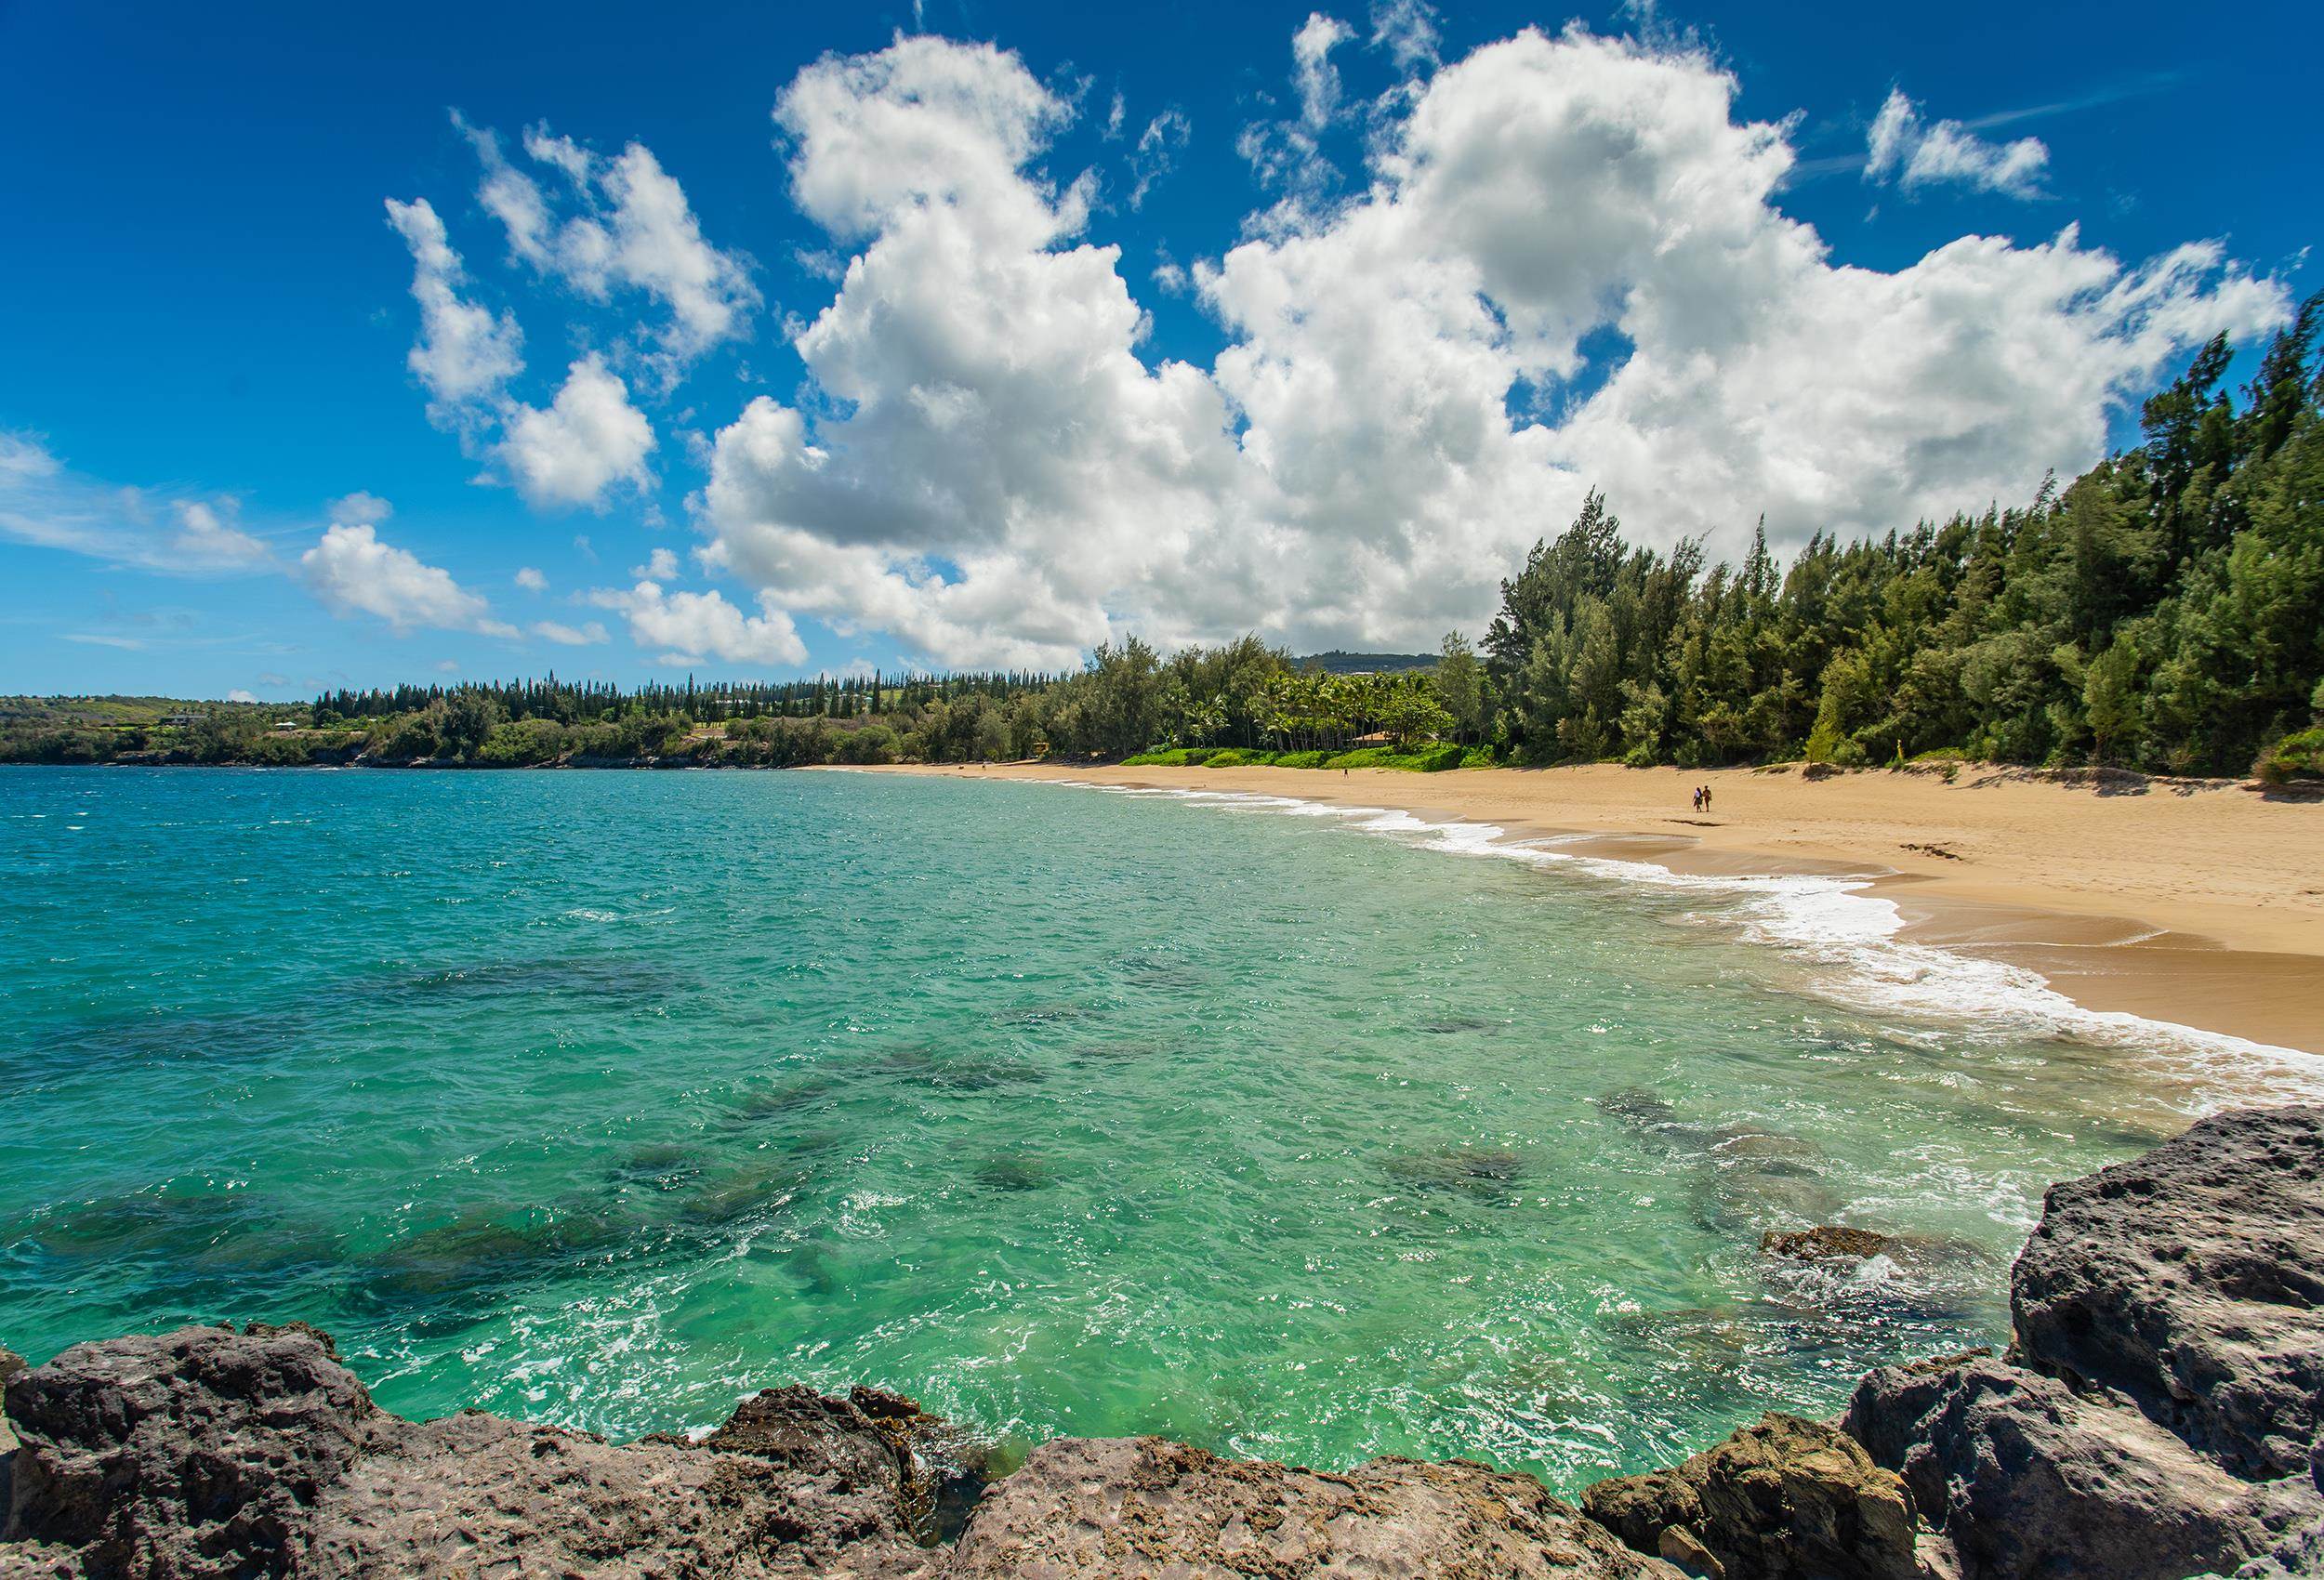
(1337, 662)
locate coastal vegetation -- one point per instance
(2163, 612)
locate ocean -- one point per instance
(604, 1099)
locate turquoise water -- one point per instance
(604, 1097)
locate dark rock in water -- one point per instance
(2192, 1280)
(1823, 1243)
(10, 1364)
(2024, 1477)
(1485, 1172)
(1141, 1509)
(1012, 1171)
(1786, 1499)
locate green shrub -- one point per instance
(865, 743)
(1302, 759)
(1478, 756)
(525, 741)
(1236, 756)
(2298, 755)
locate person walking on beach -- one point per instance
(1706, 798)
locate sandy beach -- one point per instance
(2198, 903)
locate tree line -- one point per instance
(2164, 611)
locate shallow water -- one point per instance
(602, 1098)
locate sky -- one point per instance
(355, 344)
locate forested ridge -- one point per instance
(2163, 612)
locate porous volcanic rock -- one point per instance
(2024, 1477)
(1143, 1509)
(2191, 1281)
(2157, 1413)
(1785, 1499)
(205, 1451)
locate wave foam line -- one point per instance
(1849, 938)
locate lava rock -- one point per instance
(2191, 1281)
(2025, 1477)
(205, 1453)
(196, 1452)
(1786, 1499)
(1142, 1509)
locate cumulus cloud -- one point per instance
(631, 227)
(568, 453)
(1900, 147)
(588, 438)
(695, 627)
(351, 572)
(985, 468)
(660, 566)
(531, 580)
(46, 503)
(464, 356)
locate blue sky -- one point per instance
(1449, 316)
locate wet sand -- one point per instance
(2196, 903)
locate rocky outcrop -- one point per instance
(1786, 1499)
(2191, 1281)
(2158, 1414)
(208, 1453)
(1141, 1509)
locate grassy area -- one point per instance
(1430, 758)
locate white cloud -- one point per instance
(694, 626)
(633, 229)
(995, 475)
(587, 440)
(660, 566)
(359, 507)
(569, 635)
(1158, 147)
(204, 538)
(352, 573)
(1407, 28)
(1900, 147)
(46, 503)
(464, 356)
(529, 579)
(1313, 74)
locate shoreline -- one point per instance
(2199, 906)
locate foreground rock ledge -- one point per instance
(2156, 1417)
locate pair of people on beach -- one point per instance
(1702, 797)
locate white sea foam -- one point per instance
(1849, 943)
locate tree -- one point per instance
(1459, 682)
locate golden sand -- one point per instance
(2199, 903)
